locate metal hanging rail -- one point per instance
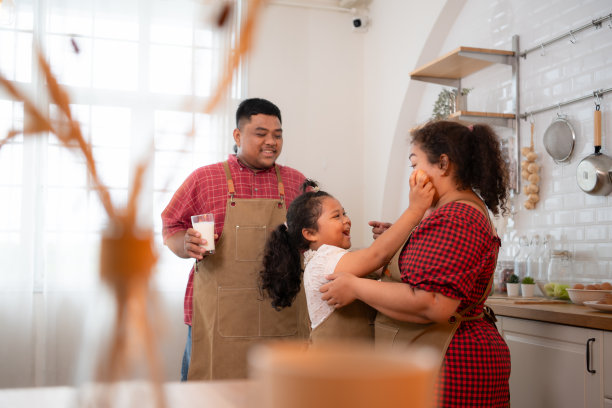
(595, 94)
(595, 23)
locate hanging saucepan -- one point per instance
(559, 139)
(594, 173)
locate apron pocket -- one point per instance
(242, 313)
(238, 312)
(250, 242)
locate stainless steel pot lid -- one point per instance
(559, 139)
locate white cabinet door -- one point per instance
(607, 367)
(549, 364)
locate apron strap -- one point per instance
(232, 190)
(230, 183)
(281, 186)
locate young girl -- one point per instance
(318, 227)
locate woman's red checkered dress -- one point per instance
(452, 252)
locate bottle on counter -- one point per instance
(533, 264)
(544, 258)
(520, 260)
(505, 264)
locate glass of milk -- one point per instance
(205, 225)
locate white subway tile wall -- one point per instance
(560, 72)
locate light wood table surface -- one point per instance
(201, 394)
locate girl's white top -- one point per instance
(318, 264)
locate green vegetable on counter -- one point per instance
(556, 290)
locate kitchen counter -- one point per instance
(562, 313)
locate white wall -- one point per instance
(310, 63)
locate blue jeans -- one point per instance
(186, 356)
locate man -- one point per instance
(248, 195)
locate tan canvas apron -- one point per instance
(394, 333)
(229, 312)
(351, 322)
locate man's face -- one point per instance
(259, 141)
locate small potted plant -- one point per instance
(447, 102)
(527, 286)
(513, 285)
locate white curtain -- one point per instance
(138, 73)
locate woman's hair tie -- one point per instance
(471, 128)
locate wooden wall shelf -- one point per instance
(491, 118)
(461, 62)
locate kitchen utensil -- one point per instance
(559, 139)
(594, 172)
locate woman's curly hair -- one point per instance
(475, 151)
(281, 276)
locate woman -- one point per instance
(446, 266)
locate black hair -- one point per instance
(475, 151)
(256, 106)
(281, 276)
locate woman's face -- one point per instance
(333, 226)
(418, 160)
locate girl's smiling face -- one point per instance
(333, 226)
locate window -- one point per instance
(137, 73)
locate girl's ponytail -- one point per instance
(281, 276)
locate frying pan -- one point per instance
(559, 139)
(594, 172)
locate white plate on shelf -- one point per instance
(598, 306)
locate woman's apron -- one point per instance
(230, 314)
(354, 321)
(394, 333)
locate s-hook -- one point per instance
(597, 94)
(572, 38)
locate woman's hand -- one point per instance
(422, 192)
(341, 290)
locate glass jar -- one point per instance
(560, 267)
